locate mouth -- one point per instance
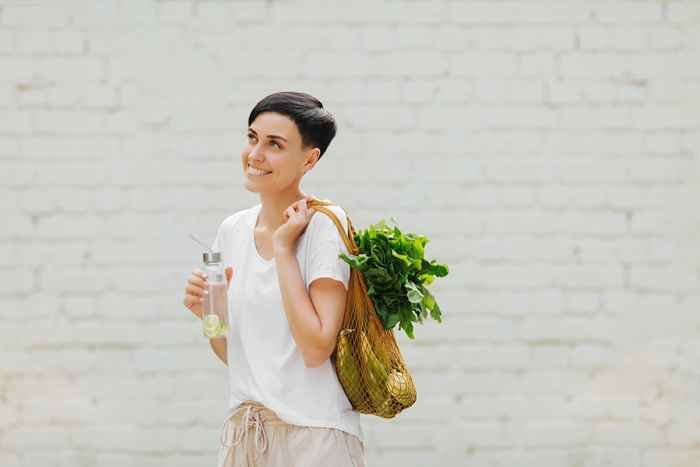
(253, 172)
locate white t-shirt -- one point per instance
(264, 362)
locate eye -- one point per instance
(252, 136)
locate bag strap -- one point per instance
(348, 239)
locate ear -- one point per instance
(312, 158)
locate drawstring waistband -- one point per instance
(252, 418)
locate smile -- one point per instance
(256, 173)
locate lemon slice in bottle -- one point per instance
(211, 325)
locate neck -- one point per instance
(272, 208)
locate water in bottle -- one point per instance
(215, 304)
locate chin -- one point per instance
(250, 186)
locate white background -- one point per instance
(549, 150)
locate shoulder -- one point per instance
(238, 217)
(323, 221)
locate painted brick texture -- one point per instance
(549, 149)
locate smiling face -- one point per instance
(274, 146)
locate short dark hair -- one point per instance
(316, 125)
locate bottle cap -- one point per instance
(211, 257)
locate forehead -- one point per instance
(272, 123)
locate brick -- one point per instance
(7, 41)
(629, 433)
(670, 456)
(666, 39)
(485, 434)
(628, 12)
(417, 437)
(34, 41)
(683, 12)
(610, 455)
(126, 437)
(28, 437)
(14, 122)
(497, 90)
(521, 37)
(517, 407)
(34, 15)
(565, 329)
(69, 42)
(505, 457)
(66, 122)
(589, 356)
(554, 434)
(82, 96)
(627, 64)
(584, 91)
(510, 12)
(174, 12)
(9, 147)
(89, 147)
(675, 277)
(487, 382)
(490, 356)
(483, 63)
(543, 356)
(537, 64)
(400, 457)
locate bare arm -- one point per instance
(314, 321)
(301, 315)
(219, 348)
(196, 285)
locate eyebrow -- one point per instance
(269, 136)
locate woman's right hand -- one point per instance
(194, 291)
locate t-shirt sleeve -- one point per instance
(324, 247)
(216, 244)
(219, 244)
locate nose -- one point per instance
(254, 154)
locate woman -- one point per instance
(287, 292)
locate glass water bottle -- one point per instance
(215, 303)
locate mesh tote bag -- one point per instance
(367, 359)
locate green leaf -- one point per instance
(428, 299)
(414, 295)
(391, 321)
(436, 313)
(396, 273)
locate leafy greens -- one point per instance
(396, 274)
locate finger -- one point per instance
(198, 281)
(199, 273)
(191, 300)
(195, 290)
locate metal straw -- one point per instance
(196, 239)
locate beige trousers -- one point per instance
(276, 443)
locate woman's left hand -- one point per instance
(297, 217)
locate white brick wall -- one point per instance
(548, 148)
